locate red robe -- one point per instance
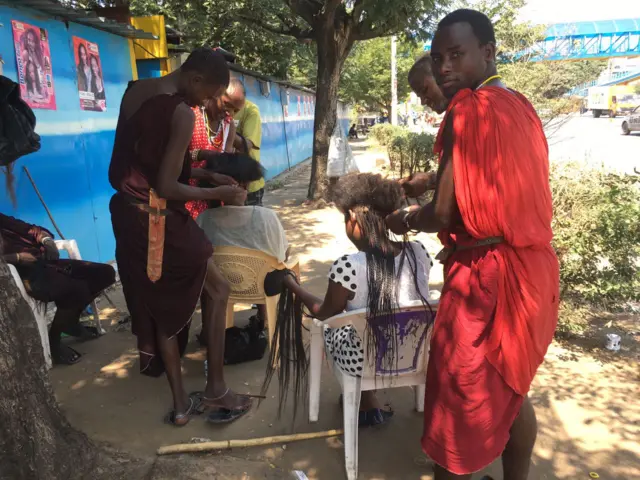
(499, 305)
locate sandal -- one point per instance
(181, 419)
(372, 417)
(65, 355)
(219, 414)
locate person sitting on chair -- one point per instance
(71, 284)
(380, 277)
(252, 227)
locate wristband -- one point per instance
(194, 154)
(405, 221)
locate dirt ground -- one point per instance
(586, 398)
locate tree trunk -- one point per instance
(36, 440)
(333, 48)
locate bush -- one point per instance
(412, 152)
(383, 133)
(597, 236)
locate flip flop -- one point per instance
(175, 419)
(218, 414)
(225, 415)
(372, 417)
(66, 356)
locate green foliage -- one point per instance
(365, 82)
(409, 152)
(597, 235)
(636, 88)
(218, 23)
(384, 133)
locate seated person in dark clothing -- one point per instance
(353, 131)
(71, 284)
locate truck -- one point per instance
(610, 100)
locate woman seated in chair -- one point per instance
(382, 275)
(240, 226)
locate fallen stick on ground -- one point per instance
(252, 442)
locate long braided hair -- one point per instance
(371, 198)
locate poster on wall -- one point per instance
(33, 58)
(89, 72)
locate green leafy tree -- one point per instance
(366, 78)
(543, 83)
(335, 26)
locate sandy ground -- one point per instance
(586, 401)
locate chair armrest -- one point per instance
(71, 247)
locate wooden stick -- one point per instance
(252, 442)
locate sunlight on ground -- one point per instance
(120, 367)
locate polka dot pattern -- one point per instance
(350, 272)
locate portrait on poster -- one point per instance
(33, 59)
(89, 75)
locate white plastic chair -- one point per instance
(245, 270)
(39, 309)
(409, 368)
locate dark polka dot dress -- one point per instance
(350, 271)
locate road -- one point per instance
(597, 141)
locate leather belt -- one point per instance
(446, 252)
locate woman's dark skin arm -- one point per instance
(335, 300)
(171, 164)
(437, 214)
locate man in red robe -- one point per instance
(499, 306)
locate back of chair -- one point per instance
(245, 270)
(410, 344)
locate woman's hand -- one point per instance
(50, 249)
(229, 195)
(219, 179)
(418, 184)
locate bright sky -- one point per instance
(561, 11)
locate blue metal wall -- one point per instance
(286, 140)
(71, 167)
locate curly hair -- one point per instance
(371, 198)
(367, 190)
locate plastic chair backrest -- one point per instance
(245, 270)
(411, 346)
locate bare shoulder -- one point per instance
(183, 113)
(137, 95)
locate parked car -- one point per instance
(631, 122)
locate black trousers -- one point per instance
(67, 283)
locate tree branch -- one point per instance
(289, 30)
(307, 9)
(358, 8)
(361, 33)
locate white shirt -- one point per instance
(350, 271)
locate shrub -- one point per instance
(597, 236)
(383, 133)
(412, 152)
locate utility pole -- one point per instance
(394, 84)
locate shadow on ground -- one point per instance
(588, 409)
